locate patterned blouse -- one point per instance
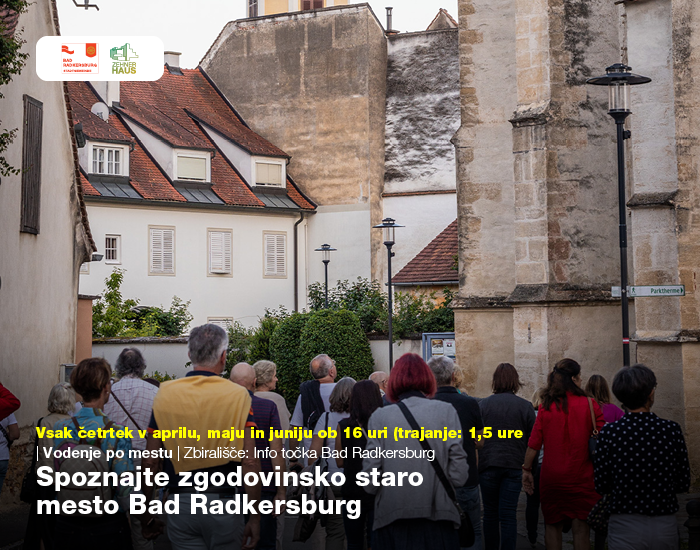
(641, 461)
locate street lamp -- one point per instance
(388, 226)
(326, 250)
(618, 79)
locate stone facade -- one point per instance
(314, 83)
(537, 193)
(366, 117)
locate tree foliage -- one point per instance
(12, 61)
(365, 298)
(260, 338)
(339, 334)
(114, 316)
(414, 312)
(239, 339)
(284, 352)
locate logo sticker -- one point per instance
(123, 59)
(101, 58)
(74, 61)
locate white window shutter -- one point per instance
(281, 255)
(219, 252)
(275, 255)
(162, 250)
(227, 252)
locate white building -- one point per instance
(44, 231)
(188, 200)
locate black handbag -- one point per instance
(30, 488)
(599, 515)
(466, 529)
(593, 440)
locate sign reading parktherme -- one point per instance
(99, 58)
(650, 291)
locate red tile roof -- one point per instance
(435, 263)
(162, 105)
(171, 109)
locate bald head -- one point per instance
(380, 378)
(244, 375)
(322, 368)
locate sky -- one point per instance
(190, 27)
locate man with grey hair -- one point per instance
(314, 395)
(205, 403)
(470, 418)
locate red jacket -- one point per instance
(8, 402)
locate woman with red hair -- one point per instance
(408, 516)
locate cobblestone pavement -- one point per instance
(13, 523)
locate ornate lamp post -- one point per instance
(326, 250)
(388, 226)
(618, 79)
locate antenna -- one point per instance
(86, 5)
(101, 110)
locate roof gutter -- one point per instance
(189, 205)
(426, 283)
(296, 261)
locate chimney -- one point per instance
(108, 91)
(389, 31)
(172, 60)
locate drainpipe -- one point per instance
(296, 262)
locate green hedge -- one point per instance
(339, 334)
(260, 339)
(284, 352)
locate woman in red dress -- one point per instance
(564, 426)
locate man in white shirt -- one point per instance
(307, 413)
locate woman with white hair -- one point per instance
(265, 384)
(60, 406)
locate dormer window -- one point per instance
(108, 160)
(192, 166)
(269, 173)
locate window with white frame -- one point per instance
(223, 322)
(192, 167)
(220, 251)
(161, 250)
(109, 160)
(113, 249)
(269, 174)
(275, 252)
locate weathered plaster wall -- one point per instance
(566, 230)
(422, 111)
(484, 338)
(485, 197)
(484, 147)
(686, 45)
(314, 84)
(39, 273)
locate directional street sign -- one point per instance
(654, 291)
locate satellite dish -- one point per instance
(101, 110)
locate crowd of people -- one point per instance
(569, 448)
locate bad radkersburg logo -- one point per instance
(122, 60)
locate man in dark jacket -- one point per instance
(470, 417)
